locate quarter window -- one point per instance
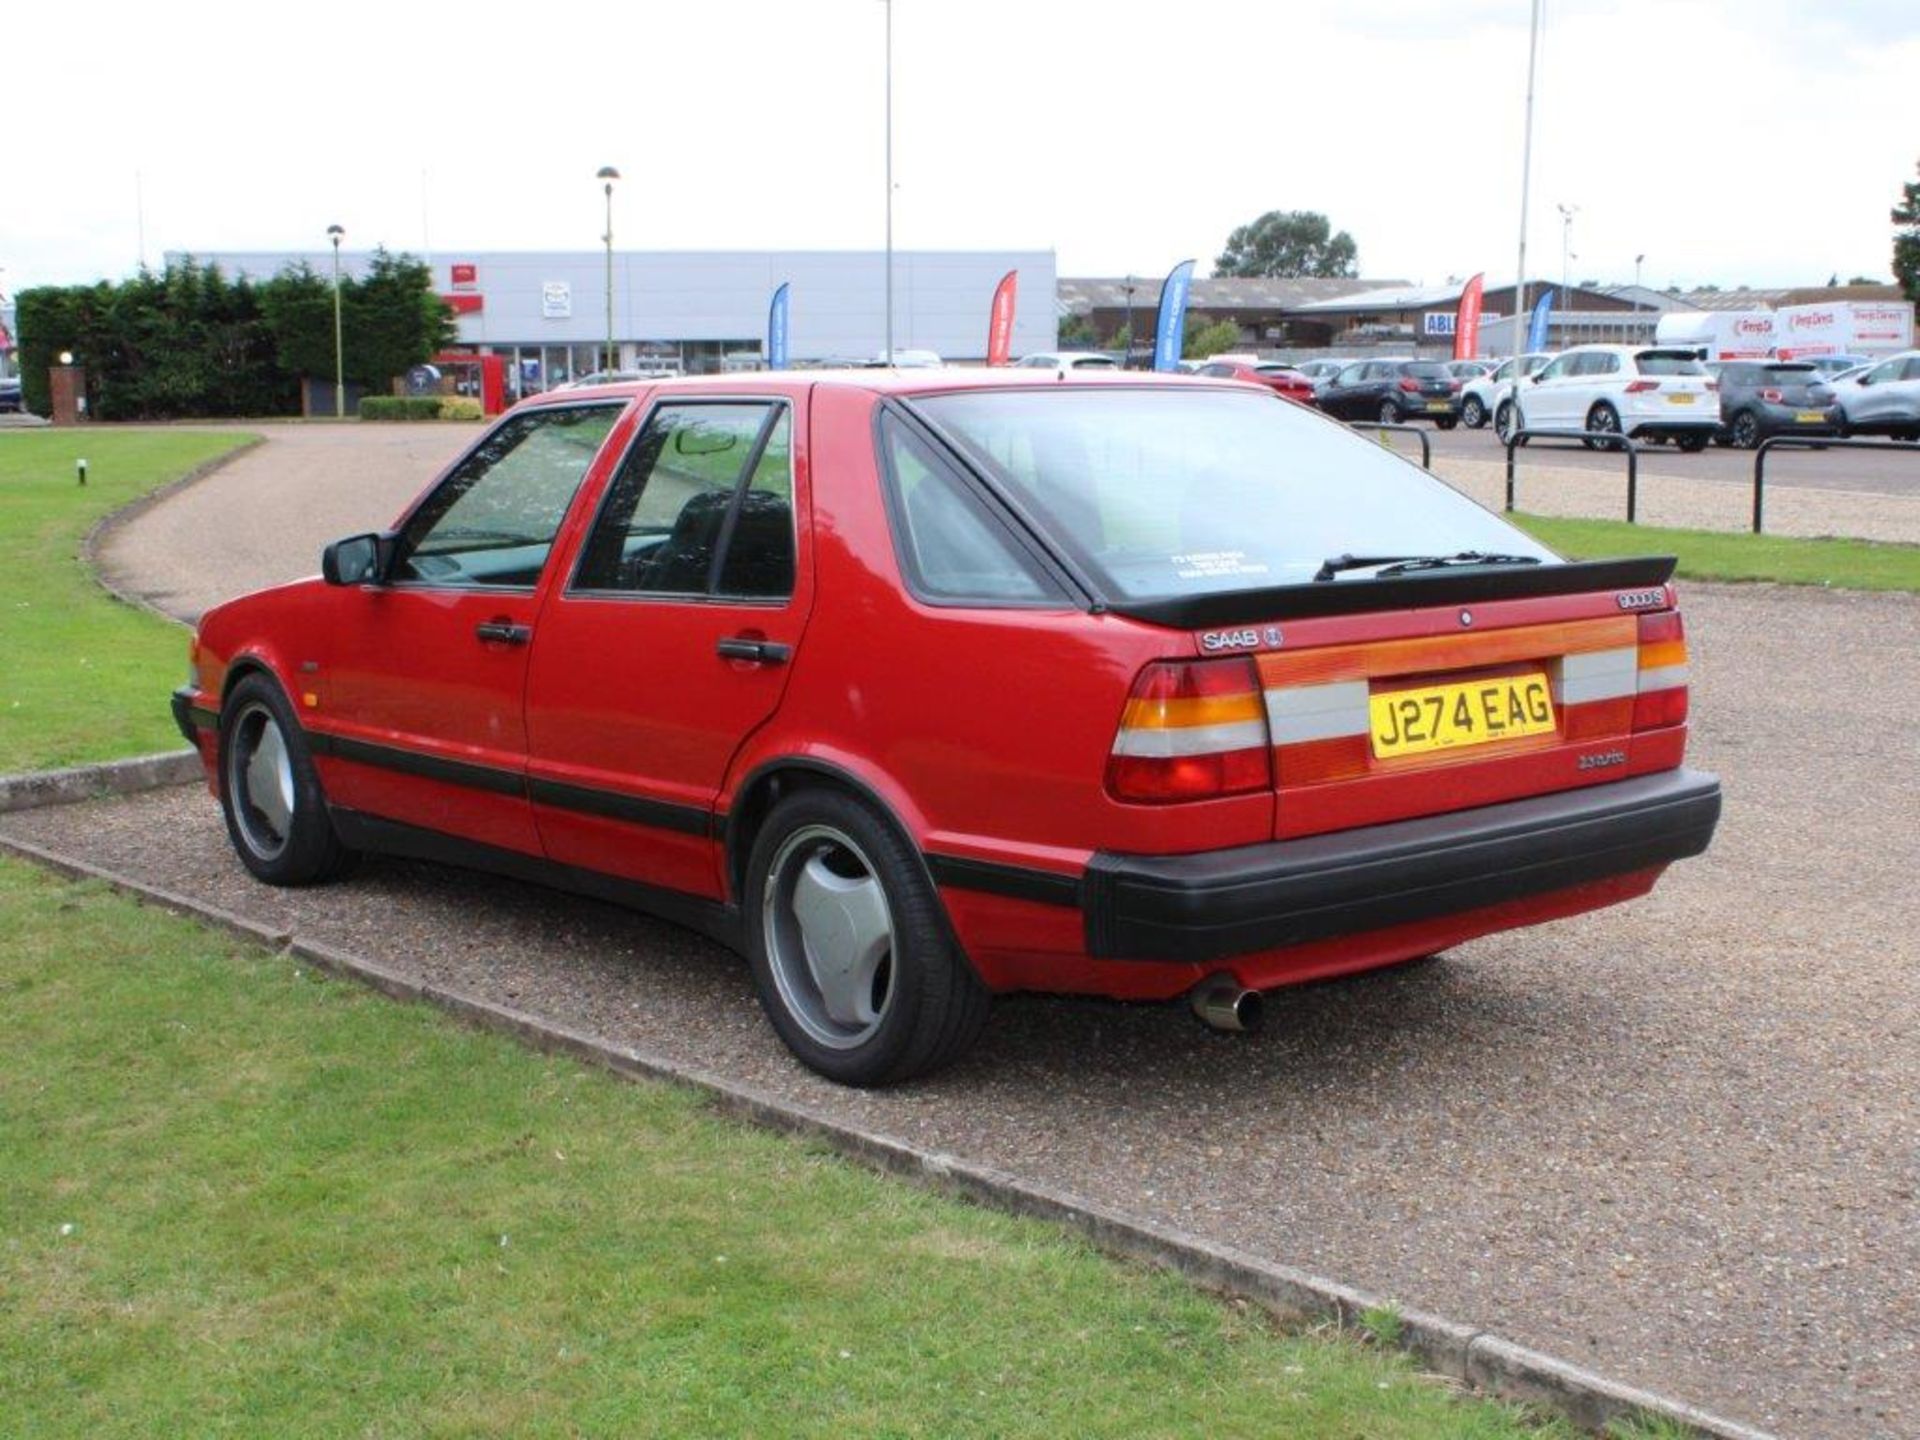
(703, 505)
(951, 545)
(492, 521)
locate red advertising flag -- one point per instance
(1000, 323)
(1466, 325)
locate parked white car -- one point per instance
(1067, 360)
(1321, 372)
(1632, 390)
(1883, 399)
(1481, 398)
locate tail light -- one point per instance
(1192, 730)
(1772, 397)
(1661, 700)
(1454, 385)
(1641, 387)
(1408, 383)
(1712, 386)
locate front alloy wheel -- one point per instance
(1389, 413)
(1473, 412)
(1746, 430)
(260, 782)
(270, 794)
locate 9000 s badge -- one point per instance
(1640, 599)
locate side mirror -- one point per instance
(357, 560)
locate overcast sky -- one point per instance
(1731, 141)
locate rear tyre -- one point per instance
(854, 962)
(1473, 412)
(1690, 444)
(1746, 430)
(1389, 413)
(1602, 419)
(270, 794)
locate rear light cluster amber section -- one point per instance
(1192, 730)
(1661, 698)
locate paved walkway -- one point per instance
(1673, 1141)
(262, 518)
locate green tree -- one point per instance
(1210, 339)
(1076, 332)
(1906, 240)
(1288, 243)
(393, 320)
(298, 306)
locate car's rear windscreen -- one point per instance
(1668, 362)
(1158, 493)
(1425, 370)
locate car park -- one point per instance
(919, 688)
(1883, 399)
(1068, 360)
(1634, 390)
(1394, 392)
(1490, 396)
(1763, 398)
(1281, 379)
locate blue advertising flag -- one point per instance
(777, 330)
(1170, 331)
(1537, 331)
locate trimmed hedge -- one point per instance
(460, 407)
(400, 407)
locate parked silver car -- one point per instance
(1885, 399)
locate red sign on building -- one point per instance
(466, 275)
(464, 304)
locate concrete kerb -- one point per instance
(88, 782)
(133, 510)
(1461, 1353)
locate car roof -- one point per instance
(883, 382)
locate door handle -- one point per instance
(503, 631)
(759, 652)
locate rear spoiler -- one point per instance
(1465, 585)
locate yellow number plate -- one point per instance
(1446, 717)
(1681, 399)
(1810, 417)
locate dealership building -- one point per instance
(545, 312)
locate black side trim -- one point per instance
(660, 814)
(412, 762)
(711, 918)
(589, 800)
(1399, 592)
(1220, 903)
(1016, 882)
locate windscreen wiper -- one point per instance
(1403, 564)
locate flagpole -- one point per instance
(1526, 176)
(889, 9)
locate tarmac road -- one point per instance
(1673, 1141)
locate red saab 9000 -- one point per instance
(922, 688)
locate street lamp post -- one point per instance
(335, 233)
(608, 174)
(888, 6)
(1638, 261)
(1526, 174)
(1126, 362)
(1567, 212)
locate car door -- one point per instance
(1339, 398)
(1543, 399)
(1875, 396)
(416, 708)
(670, 639)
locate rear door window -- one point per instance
(702, 505)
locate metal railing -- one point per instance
(1426, 441)
(1807, 442)
(1606, 439)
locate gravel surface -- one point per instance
(1673, 1141)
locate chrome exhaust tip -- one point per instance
(1223, 1003)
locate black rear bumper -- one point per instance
(1222, 903)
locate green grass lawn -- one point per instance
(1720, 555)
(82, 677)
(237, 1198)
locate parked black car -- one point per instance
(1394, 392)
(10, 400)
(1759, 398)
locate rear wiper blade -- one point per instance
(1464, 557)
(1403, 564)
